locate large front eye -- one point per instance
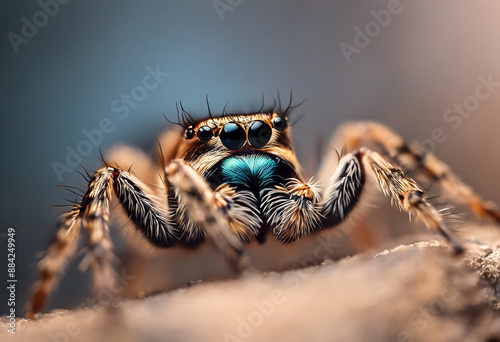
(233, 136)
(205, 133)
(259, 133)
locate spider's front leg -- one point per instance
(413, 158)
(298, 209)
(156, 221)
(405, 192)
(207, 210)
(93, 214)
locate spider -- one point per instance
(231, 178)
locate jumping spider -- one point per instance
(234, 178)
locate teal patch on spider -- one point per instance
(250, 170)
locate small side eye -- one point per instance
(279, 123)
(205, 133)
(190, 133)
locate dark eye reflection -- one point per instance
(259, 134)
(233, 136)
(205, 133)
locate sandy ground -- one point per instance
(417, 292)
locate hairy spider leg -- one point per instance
(408, 196)
(203, 208)
(295, 203)
(93, 214)
(413, 158)
(299, 208)
(144, 210)
(62, 247)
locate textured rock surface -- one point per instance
(417, 292)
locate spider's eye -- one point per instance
(279, 123)
(190, 133)
(259, 133)
(205, 133)
(233, 136)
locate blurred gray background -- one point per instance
(63, 77)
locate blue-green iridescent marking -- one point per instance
(254, 170)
